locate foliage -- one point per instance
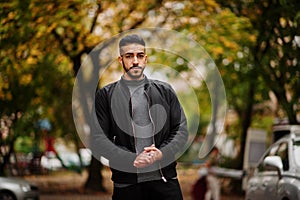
(36, 79)
(277, 49)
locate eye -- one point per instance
(140, 56)
(128, 56)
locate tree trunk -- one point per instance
(94, 181)
(246, 122)
(95, 178)
(287, 106)
(246, 118)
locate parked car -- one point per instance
(277, 175)
(17, 189)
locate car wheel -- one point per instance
(7, 196)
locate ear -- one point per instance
(120, 60)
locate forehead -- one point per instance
(132, 48)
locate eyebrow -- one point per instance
(129, 53)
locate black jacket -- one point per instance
(114, 115)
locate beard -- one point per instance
(134, 72)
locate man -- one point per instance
(146, 124)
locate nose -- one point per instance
(135, 60)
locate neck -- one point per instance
(131, 78)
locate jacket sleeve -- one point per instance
(101, 145)
(175, 144)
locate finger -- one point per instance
(151, 148)
(144, 159)
(140, 164)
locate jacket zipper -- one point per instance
(153, 132)
(133, 130)
(132, 126)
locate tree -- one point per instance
(29, 79)
(275, 54)
(277, 49)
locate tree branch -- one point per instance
(60, 40)
(99, 10)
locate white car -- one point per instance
(17, 189)
(277, 175)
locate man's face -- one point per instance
(133, 60)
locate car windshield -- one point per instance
(297, 152)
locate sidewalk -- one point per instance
(108, 197)
(75, 197)
(68, 185)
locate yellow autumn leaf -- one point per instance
(51, 27)
(11, 15)
(283, 22)
(31, 60)
(8, 96)
(40, 20)
(218, 51)
(234, 76)
(230, 45)
(50, 111)
(39, 34)
(5, 85)
(25, 79)
(252, 38)
(37, 101)
(35, 52)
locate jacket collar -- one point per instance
(147, 82)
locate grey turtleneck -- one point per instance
(142, 126)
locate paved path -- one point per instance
(103, 197)
(74, 197)
(67, 186)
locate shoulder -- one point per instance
(160, 84)
(106, 90)
(107, 87)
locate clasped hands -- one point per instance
(147, 157)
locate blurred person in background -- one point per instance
(213, 184)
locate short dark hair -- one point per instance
(131, 39)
